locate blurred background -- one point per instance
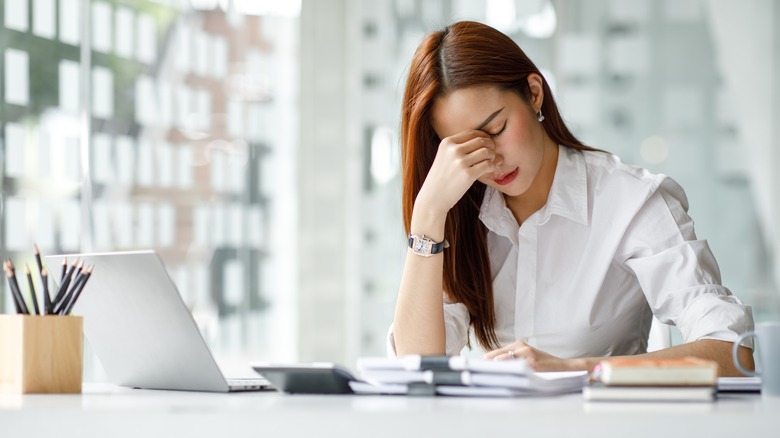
(254, 144)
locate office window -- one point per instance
(165, 155)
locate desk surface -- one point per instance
(106, 410)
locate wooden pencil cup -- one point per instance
(40, 354)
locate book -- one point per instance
(689, 371)
(601, 392)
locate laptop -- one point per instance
(140, 328)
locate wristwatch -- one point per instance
(426, 247)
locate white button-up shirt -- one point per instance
(584, 275)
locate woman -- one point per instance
(546, 249)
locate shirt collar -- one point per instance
(568, 197)
(496, 215)
(569, 192)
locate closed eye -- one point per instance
(496, 134)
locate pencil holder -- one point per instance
(40, 354)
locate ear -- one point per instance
(535, 85)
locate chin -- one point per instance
(511, 189)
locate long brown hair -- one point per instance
(461, 55)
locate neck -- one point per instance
(528, 203)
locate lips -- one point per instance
(507, 177)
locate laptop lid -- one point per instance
(139, 326)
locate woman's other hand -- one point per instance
(536, 359)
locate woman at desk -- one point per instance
(545, 249)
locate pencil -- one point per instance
(64, 268)
(44, 280)
(37, 254)
(10, 286)
(64, 285)
(48, 308)
(31, 286)
(15, 288)
(78, 292)
(74, 284)
(66, 299)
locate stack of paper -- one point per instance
(461, 376)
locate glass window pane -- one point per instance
(16, 15)
(70, 21)
(17, 73)
(124, 35)
(69, 86)
(44, 14)
(102, 24)
(102, 93)
(15, 147)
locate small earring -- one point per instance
(540, 116)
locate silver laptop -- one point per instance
(141, 330)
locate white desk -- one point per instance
(108, 411)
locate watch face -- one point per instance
(422, 246)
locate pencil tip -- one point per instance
(44, 272)
(26, 269)
(35, 248)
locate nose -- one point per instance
(498, 161)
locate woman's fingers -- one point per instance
(481, 168)
(465, 145)
(512, 354)
(518, 349)
(472, 145)
(478, 156)
(495, 353)
(463, 137)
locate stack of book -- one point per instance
(460, 376)
(630, 379)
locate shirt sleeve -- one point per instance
(456, 329)
(678, 273)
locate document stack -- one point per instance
(460, 376)
(631, 379)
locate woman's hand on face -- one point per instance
(536, 359)
(460, 160)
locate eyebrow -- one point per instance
(489, 118)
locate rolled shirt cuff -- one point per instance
(715, 314)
